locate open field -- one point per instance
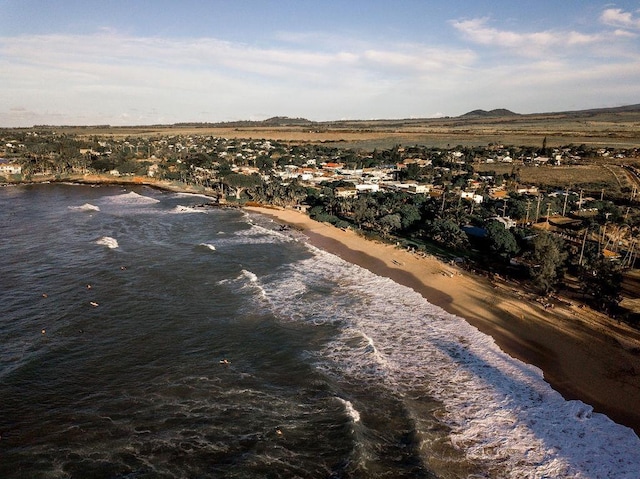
(591, 178)
(611, 127)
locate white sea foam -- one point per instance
(500, 410)
(108, 241)
(85, 207)
(131, 198)
(208, 245)
(191, 195)
(187, 209)
(249, 275)
(257, 235)
(248, 279)
(350, 410)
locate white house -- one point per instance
(9, 168)
(367, 187)
(346, 192)
(418, 189)
(471, 196)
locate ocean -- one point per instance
(143, 335)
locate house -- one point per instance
(471, 196)
(497, 193)
(507, 222)
(333, 166)
(367, 187)
(9, 168)
(346, 192)
(418, 189)
(531, 190)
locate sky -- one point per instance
(137, 62)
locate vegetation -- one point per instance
(494, 205)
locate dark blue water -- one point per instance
(144, 336)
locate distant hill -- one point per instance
(285, 120)
(596, 111)
(474, 115)
(498, 112)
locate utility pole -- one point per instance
(629, 256)
(528, 206)
(566, 198)
(538, 208)
(584, 240)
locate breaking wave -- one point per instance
(85, 207)
(132, 198)
(500, 411)
(108, 241)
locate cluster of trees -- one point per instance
(419, 220)
(416, 219)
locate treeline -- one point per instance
(420, 221)
(257, 170)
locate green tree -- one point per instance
(602, 279)
(390, 223)
(411, 172)
(240, 183)
(364, 210)
(548, 256)
(410, 215)
(501, 241)
(447, 233)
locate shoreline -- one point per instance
(583, 354)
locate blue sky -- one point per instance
(144, 62)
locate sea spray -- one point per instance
(350, 410)
(108, 241)
(208, 246)
(85, 207)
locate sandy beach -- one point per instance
(584, 354)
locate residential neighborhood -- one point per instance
(468, 200)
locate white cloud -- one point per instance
(112, 72)
(616, 17)
(525, 43)
(114, 78)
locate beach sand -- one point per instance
(584, 355)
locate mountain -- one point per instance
(498, 112)
(595, 111)
(285, 120)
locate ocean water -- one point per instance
(142, 336)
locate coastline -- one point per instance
(583, 354)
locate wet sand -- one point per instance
(583, 354)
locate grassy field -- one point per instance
(599, 128)
(592, 178)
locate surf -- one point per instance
(108, 241)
